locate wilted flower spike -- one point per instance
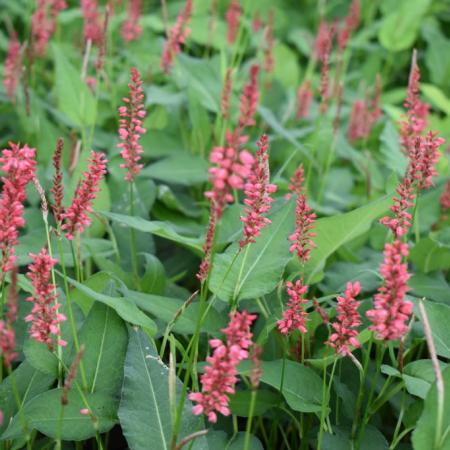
(401, 222)
(269, 44)
(44, 316)
(226, 94)
(205, 265)
(220, 376)
(130, 127)
(348, 319)
(233, 16)
(391, 310)
(76, 215)
(295, 316)
(19, 165)
(12, 67)
(176, 37)
(302, 237)
(131, 30)
(257, 191)
(249, 99)
(58, 188)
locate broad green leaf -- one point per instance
(286, 68)
(38, 355)
(182, 169)
(430, 255)
(161, 229)
(431, 287)
(372, 439)
(301, 386)
(104, 336)
(265, 399)
(145, 410)
(400, 27)
(436, 97)
(97, 283)
(419, 376)
(439, 317)
(258, 268)
(122, 305)
(424, 436)
(74, 98)
(29, 382)
(333, 232)
(392, 158)
(45, 411)
(154, 279)
(166, 308)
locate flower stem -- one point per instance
(134, 258)
(251, 411)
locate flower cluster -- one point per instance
(130, 127)
(92, 27)
(304, 99)
(76, 215)
(43, 24)
(58, 189)
(295, 316)
(257, 191)
(19, 165)
(348, 319)
(401, 222)
(362, 119)
(44, 316)
(131, 30)
(220, 376)
(233, 16)
(301, 238)
(429, 156)
(205, 265)
(269, 44)
(391, 310)
(323, 46)
(249, 99)
(7, 332)
(226, 94)
(177, 36)
(12, 67)
(351, 23)
(233, 166)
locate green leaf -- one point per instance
(430, 255)
(162, 229)
(302, 387)
(38, 355)
(286, 68)
(439, 317)
(265, 400)
(423, 437)
(74, 98)
(104, 336)
(166, 308)
(145, 410)
(436, 97)
(400, 27)
(393, 158)
(29, 382)
(333, 232)
(218, 440)
(122, 305)
(431, 287)
(419, 376)
(258, 268)
(44, 413)
(154, 278)
(184, 169)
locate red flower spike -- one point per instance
(295, 316)
(12, 67)
(131, 30)
(233, 17)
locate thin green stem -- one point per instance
(251, 411)
(326, 396)
(134, 258)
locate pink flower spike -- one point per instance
(302, 237)
(176, 37)
(76, 215)
(130, 127)
(220, 376)
(391, 311)
(257, 191)
(351, 23)
(131, 30)
(304, 99)
(19, 165)
(12, 67)
(233, 16)
(226, 94)
(295, 316)
(269, 44)
(249, 99)
(44, 316)
(58, 188)
(92, 26)
(348, 319)
(296, 182)
(401, 222)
